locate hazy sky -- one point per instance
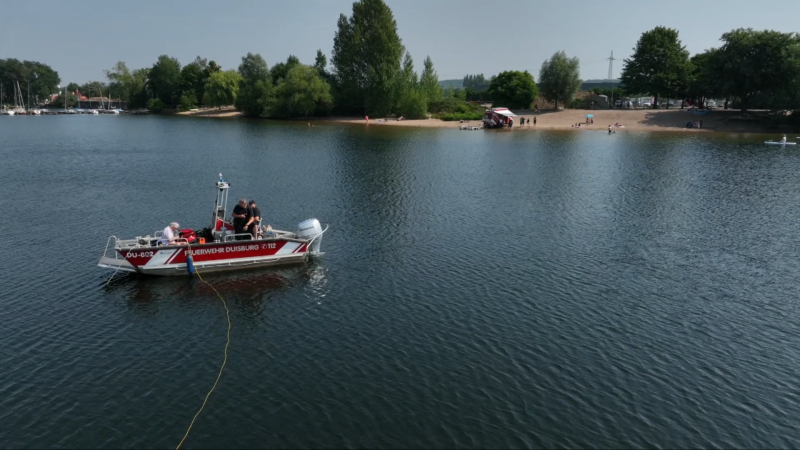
(81, 38)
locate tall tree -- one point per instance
(280, 70)
(255, 87)
(513, 89)
(193, 79)
(758, 62)
(303, 92)
(705, 80)
(164, 80)
(126, 85)
(407, 81)
(40, 78)
(222, 88)
(321, 62)
(659, 65)
(366, 56)
(93, 89)
(429, 82)
(476, 82)
(559, 78)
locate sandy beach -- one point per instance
(630, 120)
(727, 121)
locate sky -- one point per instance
(81, 38)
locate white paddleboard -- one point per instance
(779, 143)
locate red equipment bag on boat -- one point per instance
(188, 234)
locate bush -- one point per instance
(414, 105)
(454, 105)
(461, 116)
(155, 105)
(187, 101)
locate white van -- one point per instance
(711, 104)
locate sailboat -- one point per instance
(19, 101)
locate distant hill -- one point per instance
(445, 84)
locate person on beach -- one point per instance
(609, 129)
(534, 121)
(367, 119)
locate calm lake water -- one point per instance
(480, 289)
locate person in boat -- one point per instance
(170, 235)
(254, 220)
(240, 217)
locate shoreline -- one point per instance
(672, 120)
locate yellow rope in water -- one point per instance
(225, 360)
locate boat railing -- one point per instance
(108, 242)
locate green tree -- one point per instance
(407, 81)
(659, 65)
(280, 70)
(513, 89)
(126, 85)
(559, 78)
(704, 79)
(366, 56)
(39, 78)
(255, 87)
(164, 81)
(222, 88)
(71, 100)
(72, 87)
(321, 63)
(138, 89)
(429, 82)
(477, 82)
(93, 89)
(414, 104)
(757, 63)
(303, 92)
(188, 101)
(155, 105)
(193, 79)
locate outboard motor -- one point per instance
(307, 230)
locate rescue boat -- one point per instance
(213, 249)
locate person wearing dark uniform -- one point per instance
(254, 219)
(240, 217)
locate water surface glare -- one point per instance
(479, 289)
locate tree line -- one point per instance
(751, 69)
(371, 73)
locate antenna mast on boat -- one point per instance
(220, 205)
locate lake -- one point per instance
(479, 289)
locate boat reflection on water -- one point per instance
(248, 291)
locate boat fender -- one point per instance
(189, 263)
